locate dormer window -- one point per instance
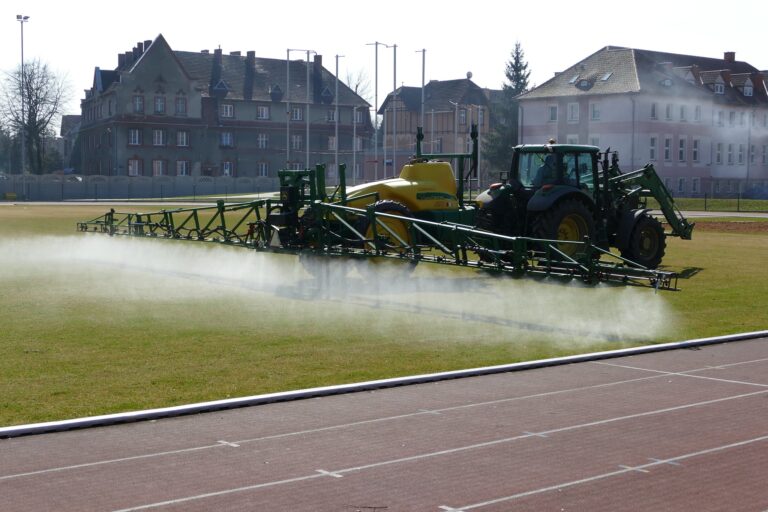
(719, 88)
(574, 79)
(584, 84)
(667, 82)
(748, 90)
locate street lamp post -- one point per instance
(288, 112)
(336, 114)
(22, 19)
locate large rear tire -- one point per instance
(569, 220)
(647, 242)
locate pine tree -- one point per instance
(504, 112)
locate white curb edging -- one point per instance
(233, 403)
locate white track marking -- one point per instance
(329, 473)
(631, 468)
(594, 478)
(227, 443)
(690, 373)
(487, 444)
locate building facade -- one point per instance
(450, 109)
(702, 122)
(163, 112)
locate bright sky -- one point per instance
(75, 37)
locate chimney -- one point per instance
(140, 46)
(729, 56)
(135, 53)
(147, 44)
(215, 70)
(235, 54)
(250, 72)
(120, 61)
(128, 58)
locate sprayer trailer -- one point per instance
(519, 226)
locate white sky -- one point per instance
(75, 37)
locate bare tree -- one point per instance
(360, 84)
(45, 95)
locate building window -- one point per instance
(227, 110)
(158, 137)
(358, 143)
(462, 116)
(695, 185)
(227, 140)
(719, 153)
(572, 139)
(228, 168)
(262, 112)
(480, 116)
(332, 142)
(296, 166)
(654, 111)
(437, 146)
(331, 115)
(683, 113)
(717, 187)
(134, 137)
(697, 113)
(668, 112)
(652, 148)
(741, 154)
(742, 118)
(553, 113)
(695, 150)
(667, 149)
(358, 171)
(719, 88)
(262, 141)
(765, 155)
(262, 169)
(181, 105)
(680, 185)
(158, 168)
(138, 104)
(747, 90)
(732, 118)
(159, 104)
(134, 167)
(297, 141)
(720, 118)
(595, 109)
(182, 138)
(681, 150)
(573, 112)
(730, 154)
(358, 116)
(182, 167)
(297, 114)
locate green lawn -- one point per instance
(94, 325)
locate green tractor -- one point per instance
(573, 192)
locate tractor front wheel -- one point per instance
(569, 220)
(647, 242)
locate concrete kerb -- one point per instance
(233, 403)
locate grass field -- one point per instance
(94, 325)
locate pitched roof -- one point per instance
(617, 70)
(438, 95)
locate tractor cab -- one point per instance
(542, 168)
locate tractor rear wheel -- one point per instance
(647, 242)
(570, 220)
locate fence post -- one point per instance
(705, 201)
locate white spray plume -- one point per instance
(493, 310)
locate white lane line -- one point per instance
(467, 448)
(594, 478)
(665, 461)
(329, 473)
(535, 434)
(329, 428)
(227, 443)
(632, 468)
(687, 373)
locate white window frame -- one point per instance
(158, 137)
(359, 116)
(719, 88)
(134, 136)
(740, 155)
(262, 140)
(262, 169)
(228, 168)
(138, 103)
(719, 153)
(262, 112)
(695, 185)
(134, 167)
(227, 110)
(182, 139)
(697, 113)
(573, 112)
(180, 105)
(683, 113)
(553, 113)
(182, 167)
(595, 111)
(667, 149)
(226, 140)
(358, 143)
(332, 142)
(297, 114)
(297, 141)
(654, 111)
(652, 142)
(668, 112)
(730, 154)
(680, 185)
(681, 152)
(462, 116)
(159, 104)
(695, 143)
(159, 167)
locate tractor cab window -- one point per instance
(579, 171)
(538, 169)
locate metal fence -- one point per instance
(54, 187)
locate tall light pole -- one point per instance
(288, 112)
(394, 108)
(423, 53)
(22, 19)
(336, 114)
(376, 110)
(306, 141)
